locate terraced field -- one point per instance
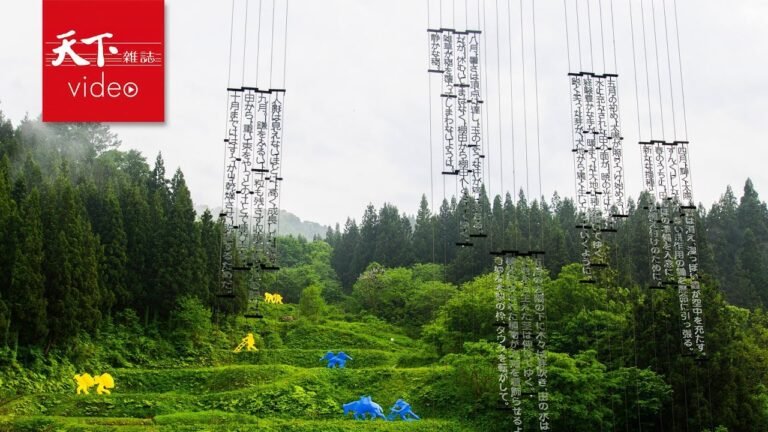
(274, 389)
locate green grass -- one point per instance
(308, 358)
(219, 421)
(284, 388)
(268, 390)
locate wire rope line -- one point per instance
(258, 45)
(591, 46)
(245, 45)
(669, 71)
(567, 36)
(613, 38)
(485, 93)
(431, 152)
(285, 46)
(538, 121)
(658, 68)
(498, 104)
(608, 296)
(635, 75)
(282, 141)
(272, 45)
(680, 62)
(602, 33)
(231, 38)
(647, 74)
(512, 121)
(525, 119)
(578, 37)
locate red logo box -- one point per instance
(103, 60)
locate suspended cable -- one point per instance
(258, 45)
(640, 138)
(570, 69)
(444, 228)
(567, 36)
(498, 104)
(647, 74)
(525, 121)
(680, 62)
(466, 15)
(578, 36)
(658, 68)
(626, 248)
(453, 12)
(538, 123)
(486, 92)
(589, 27)
(613, 37)
(634, 66)
(512, 127)
(285, 46)
(602, 33)
(674, 131)
(431, 155)
(607, 215)
(231, 34)
(282, 140)
(224, 281)
(245, 44)
(272, 44)
(669, 71)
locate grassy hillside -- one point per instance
(275, 389)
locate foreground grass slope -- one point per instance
(282, 387)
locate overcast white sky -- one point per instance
(356, 107)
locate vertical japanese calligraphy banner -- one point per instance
(598, 163)
(274, 178)
(448, 96)
(245, 176)
(261, 168)
(691, 249)
(464, 171)
(672, 235)
(616, 144)
(230, 204)
(540, 330)
(512, 278)
(475, 125)
(502, 309)
(580, 152)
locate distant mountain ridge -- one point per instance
(290, 224)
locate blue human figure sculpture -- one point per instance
(341, 359)
(336, 360)
(329, 356)
(377, 408)
(403, 409)
(362, 407)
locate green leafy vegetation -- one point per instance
(106, 267)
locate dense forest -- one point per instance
(732, 247)
(105, 264)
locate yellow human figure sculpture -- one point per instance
(273, 298)
(248, 342)
(84, 382)
(104, 381)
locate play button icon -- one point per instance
(130, 89)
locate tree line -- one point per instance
(732, 240)
(87, 230)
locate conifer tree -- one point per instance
(27, 293)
